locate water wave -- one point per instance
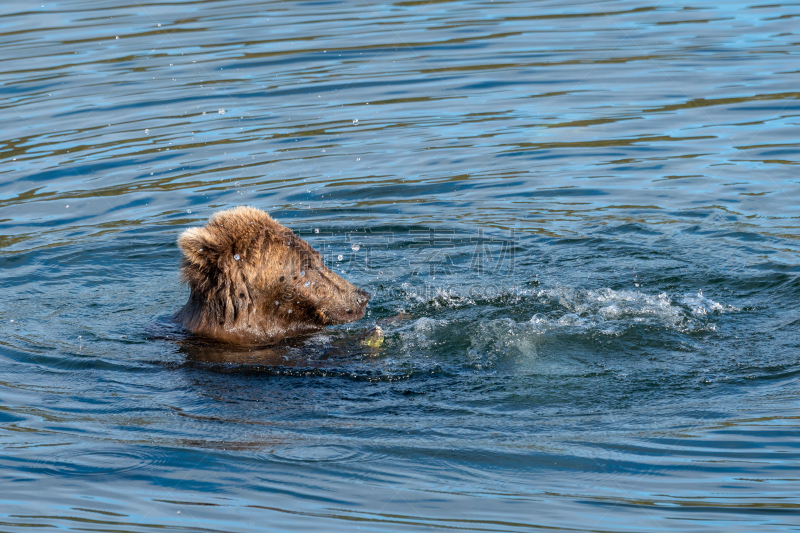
(613, 312)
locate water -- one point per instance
(583, 218)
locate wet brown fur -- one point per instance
(278, 288)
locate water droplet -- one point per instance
(236, 257)
(236, 184)
(204, 112)
(355, 247)
(189, 211)
(221, 111)
(117, 36)
(302, 272)
(67, 205)
(306, 284)
(276, 302)
(316, 230)
(323, 151)
(200, 250)
(340, 257)
(359, 159)
(290, 311)
(355, 122)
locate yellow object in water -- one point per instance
(373, 338)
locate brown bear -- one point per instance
(252, 281)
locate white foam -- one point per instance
(702, 306)
(612, 312)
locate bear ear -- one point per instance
(196, 246)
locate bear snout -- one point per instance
(362, 299)
(352, 308)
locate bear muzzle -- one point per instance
(353, 308)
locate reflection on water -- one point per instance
(578, 223)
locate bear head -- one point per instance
(253, 281)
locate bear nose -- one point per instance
(363, 296)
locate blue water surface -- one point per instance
(583, 218)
